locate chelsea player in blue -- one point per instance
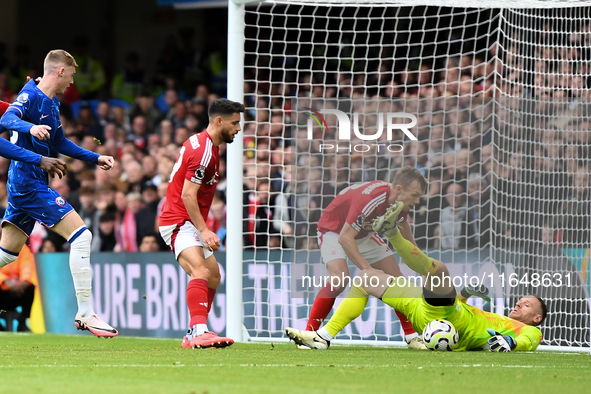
(35, 125)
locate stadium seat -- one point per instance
(75, 107)
(119, 103)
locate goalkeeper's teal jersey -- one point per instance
(472, 324)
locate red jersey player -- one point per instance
(344, 230)
(191, 188)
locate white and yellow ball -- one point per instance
(440, 335)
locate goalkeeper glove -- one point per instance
(499, 342)
(480, 291)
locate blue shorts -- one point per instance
(42, 204)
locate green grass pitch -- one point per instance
(84, 364)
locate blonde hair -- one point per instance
(58, 57)
(407, 175)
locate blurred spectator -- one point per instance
(284, 211)
(128, 83)
(145, 106)
(17, 286)
(453, 218)
(120, 118)
(150, 169)
(90, 76)
(127, 241)
(105, 239)
(162, 188)
(479, 215)
(181, 135)
(178, 114)
(149, 243)
(139, 132)
(574, 220)
(135, 176)
(166, 131)
(105, 198)
(165, 166)
(171, 98)
(193, 124)
(48, 246)
(199, 109)
(218, 211)
(86, 119)
(87, 178)
(103, 111)
(486, 161)
(88, 211)
(259, 231)
(145, 218)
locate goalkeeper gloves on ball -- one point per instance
(499, 342)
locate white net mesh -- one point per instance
(501, 99)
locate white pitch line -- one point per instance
(291, 365)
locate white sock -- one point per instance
(80, 241)
(199, 329)
(324, 334)
(7, 257)
(410, 337)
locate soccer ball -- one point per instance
(440, 335)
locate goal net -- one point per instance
(500, 101)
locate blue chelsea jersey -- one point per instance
(33, 107)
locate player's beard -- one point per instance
(227, 137)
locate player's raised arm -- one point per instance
(480, 291)
(63, 145)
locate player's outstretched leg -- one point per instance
(387, 224)
(85, 319)
(410, 254)
(351, 307)
(95, 325)
(309, 339)
(209, 339)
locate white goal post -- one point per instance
(502, 97)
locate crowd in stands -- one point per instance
(505, 147)
(498, 170)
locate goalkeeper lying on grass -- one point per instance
(438, 299)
